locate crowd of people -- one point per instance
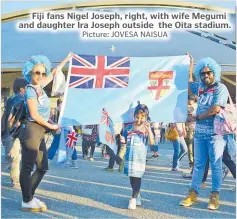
(197, 138)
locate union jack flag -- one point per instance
(71, 139)
(104, 118)
(99, 72)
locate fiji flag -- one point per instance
(161, 83)
(106, 131)
(99, 72)
(67, 144)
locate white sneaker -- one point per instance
(41, 204)
(225, 172)
(31, 206)
(177, 170)
(73, 165)
(138, 200)
(132, 204)
(233, 189)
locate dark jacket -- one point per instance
(11, 101)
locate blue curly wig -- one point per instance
(29, 65)
(210, 63)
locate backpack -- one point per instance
(17, 116)
(171, 134)
(4, 119)
(225, 120)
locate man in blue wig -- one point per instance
(212, 96)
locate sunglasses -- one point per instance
(206, 72)
(38, 73)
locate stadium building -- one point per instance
(19, 46)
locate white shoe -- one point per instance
(233, 189)
(73, 165)
(225, 172)
(177, 170)
(132, 204)
(42, 204)
(138, 200)
(31, 206)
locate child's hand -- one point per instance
(147, 127)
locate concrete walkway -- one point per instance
(91, 192)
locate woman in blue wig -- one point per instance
(136, 136)
(37, 71)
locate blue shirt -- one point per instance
(42, 100)
(215, 96)
(134, 137)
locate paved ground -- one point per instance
(91, 192)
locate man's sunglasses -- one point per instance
(38, 73)
(206, 72)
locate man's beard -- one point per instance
(207, 81)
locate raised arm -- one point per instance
(47, 80)
(190, 78)
(61, 65)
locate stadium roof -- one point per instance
(17, 46)
(16, 6)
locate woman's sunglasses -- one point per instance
(38, 73)
(206, 72)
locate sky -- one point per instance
(9, 6)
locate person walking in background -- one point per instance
(119, 158)
(190, 126)
(162, 132)
(59, 142)
(56, 139)
(37, 71)
(67, 132)
(104, 151)
(156, 130)
(12, 144)
(182, 134)
(89, 136)
(226, 159)
(176, 133)
(60, 138)
(112, 159)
